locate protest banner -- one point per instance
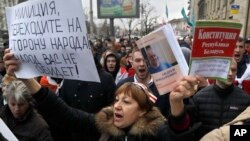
(164, 58)
(6, 132)
(213, 46)
(50, 38)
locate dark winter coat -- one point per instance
(149, 128)
(89, 96)
(213, 107)
(31, 127)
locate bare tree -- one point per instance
(148, 18)
(104, 30)
(87, 20)
(130, 25)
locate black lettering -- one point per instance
(78, 25)
(51, 59)
(38, 10)
(28, 44)
(27, 58)
(44, 9)
(74, 25)
(70, 25)
(45, 27)
(52, 7)
(55, 71)
(25, 44)
(65, 42)
(85, 43)
(51, 25)
(26, 29)
(19, 45)
(36, 44)
(69, 58)
(66, 58)
(67, 71)
(58, 25)
(53, 43)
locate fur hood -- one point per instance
(149, 124)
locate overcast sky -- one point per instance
(174, 7)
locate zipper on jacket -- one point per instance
(221, 112)
(126, 138)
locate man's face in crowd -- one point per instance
(111, 62)
(138, 63)
(247, 45)
(128, 48)
(123, 49)
(231, 75)
(125, 42)
(110, 46)
(153, 59)
(130, 56)
(239, 51)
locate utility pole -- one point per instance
(112, 28)
(141, 18)
(91, 20)
(246, 20)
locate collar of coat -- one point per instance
(241, 117)
(146, 125)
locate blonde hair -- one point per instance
(18, 91)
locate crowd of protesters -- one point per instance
(126, 104)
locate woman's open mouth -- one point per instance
(117, 117)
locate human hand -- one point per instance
(12, 65)
(202, 82)
(186, 88)
(10, 62)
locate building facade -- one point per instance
(180, 27)
(221, 10)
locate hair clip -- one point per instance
(151, 97)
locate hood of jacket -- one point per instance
(149, 124)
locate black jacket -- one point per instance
(151, 127)
(31, 127)
(89, 96)
(212, 107)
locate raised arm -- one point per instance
(185, 89)
(12, 65)
(49, 105)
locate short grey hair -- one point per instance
(18, 91)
